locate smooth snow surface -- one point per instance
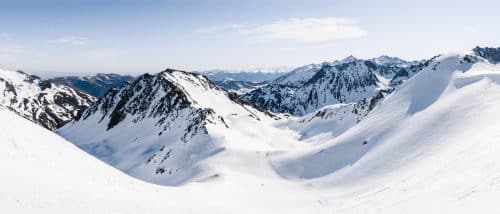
(43, 173)
(430, 146)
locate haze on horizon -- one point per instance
(127, 36)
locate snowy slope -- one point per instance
(48, 104)
(43, 173)
(330, 121)
(161, 128)
(434, 141)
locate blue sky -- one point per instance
(127, 36)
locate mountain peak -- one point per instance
(177, 117)
(388, 60)
(41, 101)
(346, 81)
(348, 59)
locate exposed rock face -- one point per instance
(351, 80)
(159, 127)
(491, 54)
(41, 101)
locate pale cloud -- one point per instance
(221, 28)
(70, 40)
(308, 30)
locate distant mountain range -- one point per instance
(253, 76)
(243, 81)
(95, 85)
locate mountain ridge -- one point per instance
(180, 119)
(349, 80)
(41, 101)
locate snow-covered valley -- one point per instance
(426, 143)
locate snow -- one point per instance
(43, 173)
(432, 142)
(324, 124)
(136, 146)
(431, 146)
(387, 60)
(300, 74)
(347, 81)
(30, 96)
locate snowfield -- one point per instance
(43, 173)
(431, 146)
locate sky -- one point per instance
(138, 36)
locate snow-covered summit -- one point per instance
(162, 127)
(41, 101)
(350, 80)
(388, 60)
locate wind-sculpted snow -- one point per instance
(41, 101)
(432, 135)
(432, 141)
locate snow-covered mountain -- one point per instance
(43, 173)
(433, 141)
(41, 101)
(95, 85)
(161, 127)
(308, 88)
